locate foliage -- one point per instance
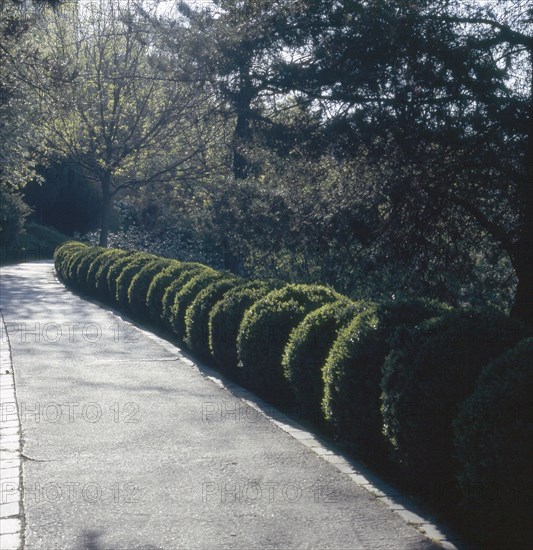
(494, 444)
(83, 267)
(103, 265)
(126, 276)
(174, 287)
(352, 372)
(307, 350)
(225, 319)
(265, 330)
(186, 295)
(427, 376)
(138, 289)
(119, 263)
(197, 314)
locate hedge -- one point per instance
(95, 265)
(424, 381)
(83, 268)
(63, 254)
(493, 436)
(352, 371)
(115, 271)
(126, 276)
(184, 298)
(265, 330)
(197, 314)
(161, 282)
(140, 283)
(101, 277)
(173, 288)
(307, 349)
(225, 319)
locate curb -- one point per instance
(11, 508)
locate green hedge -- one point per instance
(62, 256)
(493, 435)
(352, 372)
(160, 284)
(105, 263)
(307, 349)
(186, 295)
(83, 268)
(115, 271)
(126, 276)
(174, 288)
(197, 314)
(427, 377)
(225, 319)
(265, 331)
(140, 283)
(92, 272)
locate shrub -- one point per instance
(225, 319)
(83, 267)
(307, 351)
(115, 270)
(427, 377)
(265, 330)
(184, 298)
(94, 266)
(139, 286)
(493, 436)
(126, 276)
(73, 261)
(173, 288)
(197, 314)
(105, 262)
(62, 254)
(160, 283)
(352, 371)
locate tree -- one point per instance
(441, 88)
(114, 104)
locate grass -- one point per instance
(37, 243)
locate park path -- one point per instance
(127, 444)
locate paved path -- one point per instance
(127, 445)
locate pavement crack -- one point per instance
(26, 457)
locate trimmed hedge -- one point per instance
(197, 314)
(173, 288)
(96, 264)
(186, 295)
(493, 435)
(101, 277)
(63, 254)
(265, 330)
(352, 371)
(140, 283)
(115, 271)
(83, 268)
(127, 274)
(225, 319)
(160, 284)
(427, 377)
(307, 350)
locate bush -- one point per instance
(197, 314)
(352, 372)
(265, 330)
(96, 263)
(105, 262)
(493, 436)
(127, 274)
(173, 288)
(139, 287)
(160, 283)
(115, 270)
(73, 261)
(62, 254)
(225, 319)
(307, 351)
(184, 298)
(427, 377)
(83, 268)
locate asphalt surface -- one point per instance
(128, 446)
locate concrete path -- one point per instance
(127, 445)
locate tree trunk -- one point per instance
(523, 304)
(106, 209)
